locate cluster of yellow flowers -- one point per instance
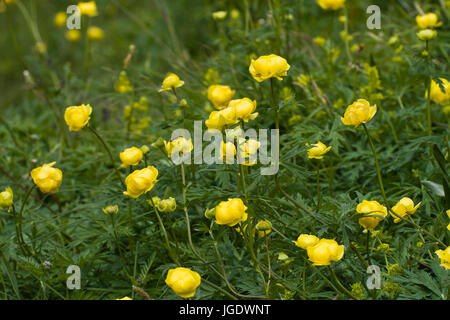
(427, 23)
(321, 252)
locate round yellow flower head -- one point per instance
(358, 112)
(131, 157)
(437, 95)
(125, 298)
(167, 205)
(220, 95)
(266, 67)
(305, 241)
(429, 20)
(123, 84)
(444, 255)
(111, 209)
(219, 15)
(183, 281)
(403, 208)
(231, 212)
(88, 8)
(141, 181)
(95, 33)
(60, 19)
(331, 4)
(373, 212)
(178, 145)
(219, 119)
(171, 81)
(47, 178)
(77, 117)
(264, 227)
(317, 150)
(247, 152)
(6, 199)
(73, 35)
(227, 151)
(426, 34)
(325, 251)
(244, 109)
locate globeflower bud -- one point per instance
(358, 112)
(316, 151)
(171, 81)
(219, 15)
(77, 117)
(373, 212)
(264, 227)
(426, 34)
(183, 103)
(331, 4)
(210, 213)
(131, 157)
(6, 199)
(95, 33)
(167, 205)
(305, 241)
(183, 281)
(220, 95)
(47, 178)
(266, 67)
(60, 19)
(158, 143)
(231, 212)
(111, 209)
(88, 8)
(324, 252)
(123, 84)
(141, 181)
(145, 149)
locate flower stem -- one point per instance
(119, 176)
(20, 218)
(116, 240)
(318, 188)
(274, 106)
(430, 130)
(340, 284)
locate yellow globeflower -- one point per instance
(219, 119)
(316, 151)
(227, 151)
(171, 81)
(131, 157)
(437, 95)
(183, 281)
(266, 67)
(95, 33)
(77, 117)
(73, 35)
(220, 95)
(219, 15)
(325, 251)
(331, 4)
(448, 213)
(60, 19)
(141, 181)
(373, 212)
(305, 241)
(244, 109)
(178, 145)
(231, 212)
(444, 255)
(123, 84)
(248, 150)
(47, 178)
(358, 112)
(403, 208)
(429, 20)
(426, 34)
(6, 199)
(88, 8)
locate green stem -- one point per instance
(27, 196)
(380, 180)
(116, 240)
(274, 106)
(108, 150)
(368, 247)
(430, 130)
(318, 188)
(341, 285)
